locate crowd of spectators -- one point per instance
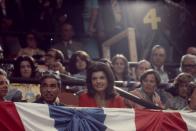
(100, 77)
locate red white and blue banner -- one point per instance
(41, 117)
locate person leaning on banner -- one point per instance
(192, 97)
(149, 82)
(100, 85)
(4, 82)
(50, 86)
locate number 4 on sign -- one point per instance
(151, 18)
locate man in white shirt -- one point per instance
(158, 58)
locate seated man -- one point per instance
(158, 60)
(188, 65)
(50, 85)
(3, 84)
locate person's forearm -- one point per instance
(92, 19)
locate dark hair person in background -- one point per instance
(79, 63)
(24, 67)
(54, 60)
(100, 85)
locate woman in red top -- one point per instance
(100, 85)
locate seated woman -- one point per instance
(79, 63)
(121, 68)
(181, 87)
(25, 68)
(149, 82)
(100, 85)
(192, 97)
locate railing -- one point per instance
(67, 80)
(128, 33)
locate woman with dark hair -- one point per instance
(100, 85)
(149, 83)
(79, 63)
(121, 68)
(24, 67)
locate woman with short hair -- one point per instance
(181, 91)
(149, 83)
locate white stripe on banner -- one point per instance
(118, 119)
(35, 117)
(190, 119)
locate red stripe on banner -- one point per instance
(151, 120)
(174, 122)
(9, 118)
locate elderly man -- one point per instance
(50, 86)
(188, 64)
(158, 58)
(3, 85)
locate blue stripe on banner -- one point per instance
(70, 119)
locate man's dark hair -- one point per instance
(58, 54)
(51, 74)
